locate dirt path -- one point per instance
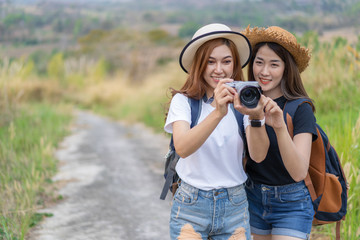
(115, 178)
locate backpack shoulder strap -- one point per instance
(195, 107)
(289, 112)
(239, 118)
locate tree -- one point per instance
(188, 29)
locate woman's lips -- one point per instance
(217, 79)
(264, 81)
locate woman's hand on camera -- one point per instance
(254, 113)
(274, 115)
(223, 94)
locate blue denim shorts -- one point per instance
(280, 210)
(216, 214)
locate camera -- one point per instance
(249, 92)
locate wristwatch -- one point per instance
(257, 122)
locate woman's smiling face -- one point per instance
(220, 65)
(268, 71)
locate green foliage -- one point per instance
(100, 71)
(188, 29)
(40, 59)
(88, 42)
(354, 11)
(76, 80)
(55, 67)
(26, 161)
(27, 70)
(295, 23)
(5, 232)
(42, 23)
(149, 17)
(340, 42)
(159, 36)
(310, 39)
(343, 129)
(77, 28)
(331, 80)
(38, 217)
(93, 37)
(163, 61)
(14, 18)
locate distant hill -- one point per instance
(121, 31)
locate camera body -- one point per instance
(249, 92)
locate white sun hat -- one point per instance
(209, 32)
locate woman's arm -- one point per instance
(187, 140)
(295, 152)
(257, 138)
(258, 142)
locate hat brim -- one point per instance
(241, 42)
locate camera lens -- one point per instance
(249, 96)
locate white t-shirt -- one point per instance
(218, 162)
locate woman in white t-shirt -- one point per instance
(210, 202)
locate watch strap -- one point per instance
(257, 122)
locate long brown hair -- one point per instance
(195, 85)
(291, 84)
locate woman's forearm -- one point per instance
(295, 153)
(187, 140)
(258, 142)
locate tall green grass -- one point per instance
(343, 129)
(27, 163)
(332, 81)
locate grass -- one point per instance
(332, 82)
(142, 102)
(343, 129)
(27, 163)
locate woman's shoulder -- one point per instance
(305, 108)
(297, 103)
(306, 105)
(179, 98)
(301, 110)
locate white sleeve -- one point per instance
(246, 121)
(179, 110)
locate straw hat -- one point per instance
(209, 32)
(282, 37)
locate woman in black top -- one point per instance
(279, 203)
